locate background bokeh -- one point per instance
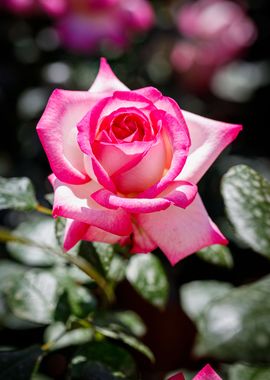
(218, 68)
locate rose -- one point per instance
(207, 373)
(88, 24)
(125, 167)
(217, 32)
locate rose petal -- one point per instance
(134, 205)
(207, 373)
(97, 234)
(179, 142)
(208, 139)
(75, 202)
(57, 132)
(150, 93)
(147, 172)
(106, 81)
(74, 232)
(181, 193)
(179, 232)
(142, 243)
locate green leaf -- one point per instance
(102, 361)
(17, 194)
(58, 334)
(247, 199)
(60, 224)
(19, 365)
(196, 295)
(131, 321)
(245, 372)
(117, 269)
(113, 332)
(236, 326)
(34, 296)
(40, 230)
(217, 254)
(147, 276)
(105, 254)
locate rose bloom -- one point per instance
(207, 373)
(88, 24)
(216, 32)
(85, 25)
(125, 167)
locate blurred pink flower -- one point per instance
(207, 373)
(216, 32)
(85, 25)
(88, 24)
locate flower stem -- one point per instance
(81, 263)
(43, 210)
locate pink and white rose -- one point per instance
(126, 164)
(207, 373)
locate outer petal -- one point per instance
(97, 234)
(74, 232)
(75, 202)
(208, 139)
(179, 232)
(207, 373)
(134, 205)
(142, 243)
(57, 132)
(106, 81)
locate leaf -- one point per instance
(58, 334)
(19, 365)
(97, 359)
(17, 194)
(132, 321)
(40, 230)
(111, 332)
(105, 253)
(196, 295)
(147, 276)
(117, 269)
(235, 326)
(60, 224)
(217, 254)
(34, 296)
(247, 199)
(245, 372)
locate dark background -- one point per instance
(25, 84)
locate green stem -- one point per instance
(43, 210)
(85, 266)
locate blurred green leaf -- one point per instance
(58, 334)
(105, 254)
(17, 194)
(245, 372)
(19, 365)
(117, 269)
(217, 254)
(114, 332)
(39, 229)
(235, 326)
(147, 276)
(103, 360)
(60, 224)
(34, 296)
(196, 295)
(247, 199)
(132, 321)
